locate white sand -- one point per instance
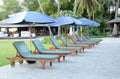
(99, 62)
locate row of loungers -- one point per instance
(43, 55)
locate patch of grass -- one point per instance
(102, 35)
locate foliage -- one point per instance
(49, 6)
(103, 24)
(31, 4)
(67, 4)
(46, 40)
(9, 7)
(97, 9)
(91, 6)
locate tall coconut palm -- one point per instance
(40, 6)
(39, 2)
(91, 6)
(75, 7)
(58, 5)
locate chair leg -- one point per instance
(20, 61)
(64, 58)
(59, 59)
(50, 63)
(11, 61)
(43, 63)
(73, 52)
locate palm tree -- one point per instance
(75, 7)
(91, 6)
(58, 5)
(40, 6)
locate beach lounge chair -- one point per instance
(91, 44)
(23, 53)
(83, 39)
(67, 44)
(41, 50)
(58, 46)
(93, 39)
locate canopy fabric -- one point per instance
(115, 20)
(65, 20)
(21, 25)
(28, 17)
(87, 22)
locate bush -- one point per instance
(46, 40)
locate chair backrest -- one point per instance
(22, 48)
(79, 38)
(74, 35)
(65, 41)
(84, 37)
(38, 45)
(55, 42)
(73, 39)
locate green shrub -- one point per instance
(46, 40)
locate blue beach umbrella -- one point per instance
(65, 20)
(95, 24)
(87, 22)
(28, 17)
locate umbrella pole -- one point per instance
(50, 31)
(30, 36)
(81, 32)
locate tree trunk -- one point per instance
(58, 3)
(75, 7)
(58, 7)
(40, 6)
(115, 28)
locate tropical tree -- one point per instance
(9, 7)
(91, 6)
(58, 5)
(39, 2)
(107, 6)
(75, 7)
(31, 4)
